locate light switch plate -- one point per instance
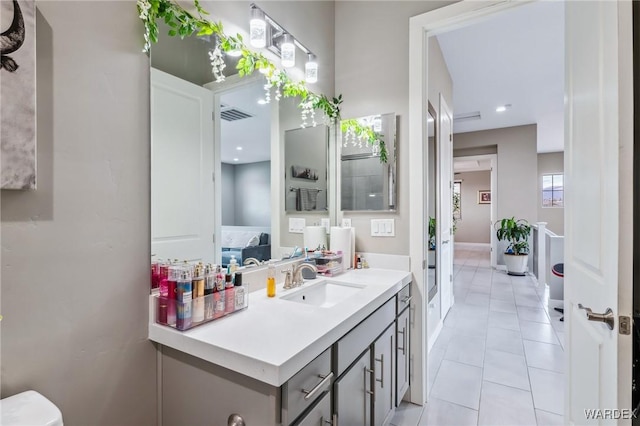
(346, 222)
(383, 228)
(296, 225)
(326, 223)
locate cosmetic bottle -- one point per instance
(219, 279)
(198, 294)
(172, 288)
(209, 286)
(184, 296)
(240, 292)
(219, 304)
(228, 294)
(271, 280)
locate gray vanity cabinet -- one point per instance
(403, 300)
(402, 355)
(353, 393)
(383, 371)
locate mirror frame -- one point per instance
(390, 169)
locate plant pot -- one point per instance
(516, 263)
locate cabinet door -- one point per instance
(320, 415)
(384, 350)
(353, 393)
(402, 355)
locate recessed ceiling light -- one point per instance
(503, 108)
(372, 195)
(239, 148)
(236, 159)
(261, 102)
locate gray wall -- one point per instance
(550, 163)
(75, 253)
(475, 226)
(517, 167)
(228, 183)
(371, 88)
(253, 194)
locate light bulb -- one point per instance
(287, 51)
(311, 69)
(257, 28)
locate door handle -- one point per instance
(607, 318)
(308, 394)
(445, 242)
(381, 379)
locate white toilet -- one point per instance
(29, 409)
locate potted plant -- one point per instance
(432, 243)
(516, 232)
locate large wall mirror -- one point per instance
(432, 287)
(367, 183)
(216, 187)
(305, 169)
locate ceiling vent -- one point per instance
(466, 116)
(233, 114)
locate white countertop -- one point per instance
(273, 339)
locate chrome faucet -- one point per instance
(251, 260)
(298, 279)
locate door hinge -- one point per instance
(213, 176)
(450, 138)
(424, 264)
(213, 115)
(213, 238)
(625, 325)
(451, 277)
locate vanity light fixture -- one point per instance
(236, 159)
(257, 28)
(287, 51)
(311, 69)
(279, 41)
(503, 108)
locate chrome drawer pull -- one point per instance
(381, 379)
(404, 342)
(310, 393)
(370, 371)
(406, 299)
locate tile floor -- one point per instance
(499, 359)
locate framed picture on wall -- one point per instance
(484, 196)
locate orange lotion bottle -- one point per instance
(271, 281)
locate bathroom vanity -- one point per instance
(333, 351)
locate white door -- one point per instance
(444, 220)
(592, 142)
(182, 216)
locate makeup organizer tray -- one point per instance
(201, 310)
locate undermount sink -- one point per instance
(323, 294)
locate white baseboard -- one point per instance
(472, 245)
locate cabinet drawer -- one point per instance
(358, 340)
(310, 378)
(319, 415)
(403, 298)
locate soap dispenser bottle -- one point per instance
(233, 265)
(271, 280)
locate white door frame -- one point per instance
(493, 160)
(230, 84)
(420, 28)
(458, 15)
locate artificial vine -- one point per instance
(185, 24)
(354, 130)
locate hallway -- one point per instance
(499, 359)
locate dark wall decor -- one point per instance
(18, 94)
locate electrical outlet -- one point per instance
(346, 222)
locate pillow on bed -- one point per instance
(253, 241)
